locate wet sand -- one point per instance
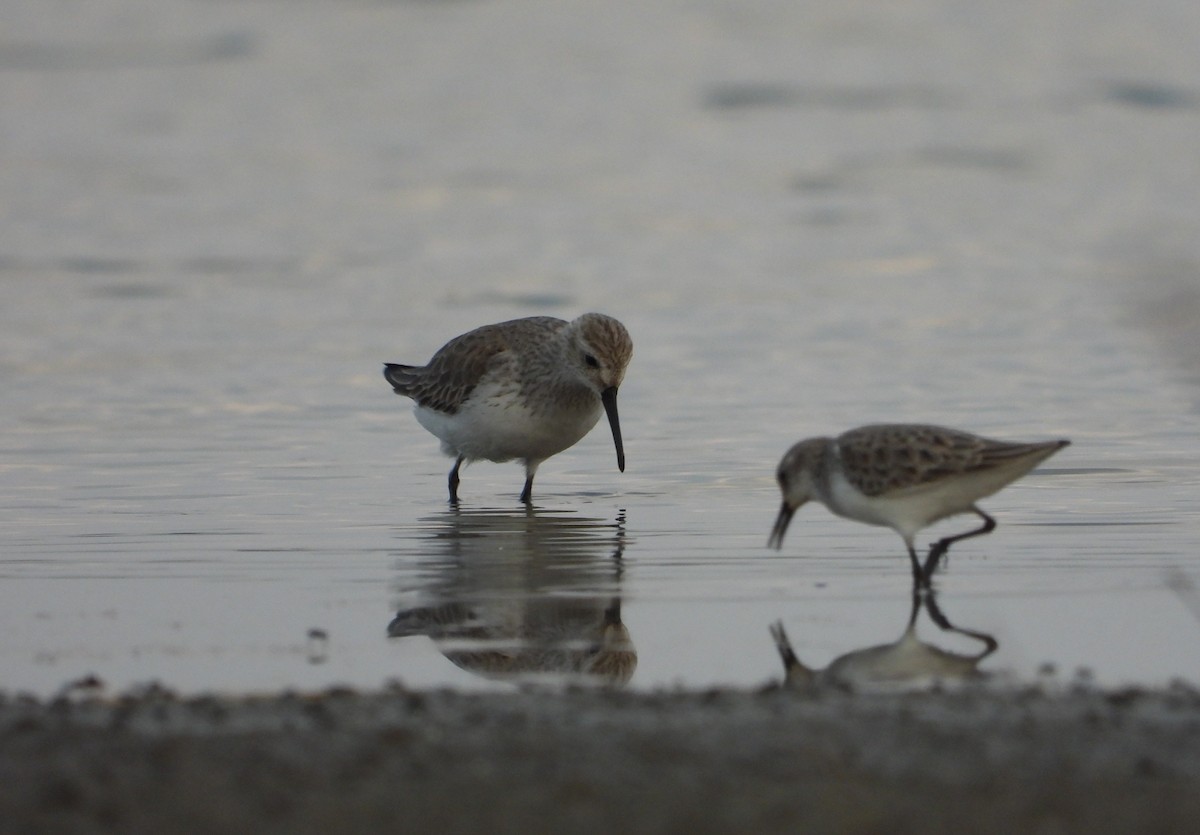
(978, 760)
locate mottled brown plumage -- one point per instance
(904, 476)
(447, 380)
(884, 458)
(524, 389)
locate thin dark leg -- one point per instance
(454, 480)
(527, 493)
(919, 593)
(919, 578)
(939, 548)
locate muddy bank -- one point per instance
(771, 761)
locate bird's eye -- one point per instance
(591, 361)
(782, 477)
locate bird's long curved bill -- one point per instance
(781, 526)
(609, 398)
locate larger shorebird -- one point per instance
(524, 389)
(905, 477)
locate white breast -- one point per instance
(905, 513)
(497, 426)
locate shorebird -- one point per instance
(524, 389)
(905, 477)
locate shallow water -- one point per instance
(222, 219)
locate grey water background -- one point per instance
(220, 219)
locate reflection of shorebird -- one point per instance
(524, 389)
(905, 477)
(567, 640)
(906, 662)
(529, 597)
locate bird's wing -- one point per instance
(882, 459)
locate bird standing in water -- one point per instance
(525, 389)
(903, 476)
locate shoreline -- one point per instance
(978, 758)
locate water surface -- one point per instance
(222, 220)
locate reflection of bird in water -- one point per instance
(565, 639)
(906, 663)
(526, 597)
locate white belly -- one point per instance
(501, 429)
(905, 513)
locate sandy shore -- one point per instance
(605, 762)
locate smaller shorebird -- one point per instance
(905, 477)
(524, 389)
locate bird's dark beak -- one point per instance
(609, 398)
(781, 526)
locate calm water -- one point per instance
(222, 218)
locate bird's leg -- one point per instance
(454, 479)
(527, 492)
(935, 614)
(919, 593)
(919, 578)
(939, 548)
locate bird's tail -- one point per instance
(402, 377)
